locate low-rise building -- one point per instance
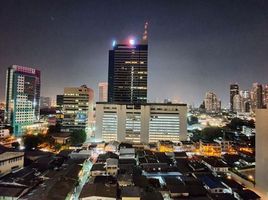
(98, 169)
(210, 148)
(112, 166)
(216, 165)
(131, 193)
(62, 138)
(98, 191)
(10, 161)
(4, 133)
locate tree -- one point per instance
(57, 147)
(211, 133)
(78, 137)
(31, 141)
(54, 128)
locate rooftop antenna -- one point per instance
(144, 37)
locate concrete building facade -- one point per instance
(261, 176)
(22, 97)
(77, 108)
(144, 123)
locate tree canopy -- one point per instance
(78, 137)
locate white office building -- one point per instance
(261, 151)
(149, 122)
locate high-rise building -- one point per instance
(22, 97)
(261, 151)
(2, 112)
(45, 102)
(103, 92)
(128, 67)
(212, 103)
(265, 95)
(237, 103)
(234, 90)
(245, 100)
(149, 122)
(76, 108)
(256, 97)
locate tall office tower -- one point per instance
(128, 66)
(45, 102)
(237, 103)
(76, 108)
(212, 103)
(256, 97)
(2, 112)
(245, 100)
(234, 90)
(261, 151)
(103, 92)
(59, 100)
(265, 95)
(22, 97)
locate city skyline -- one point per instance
(186, 42)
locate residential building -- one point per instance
(112, 166)
(4, 133)
(98, 191)
(216, 165)
(145, 123)
(22, 97)
(103, 92)
(212, 103)
(210, 148)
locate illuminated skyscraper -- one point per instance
(237, 103)
(234, 90)
(77, 108)
(265, 95)
(103, 92)
(45, 102)
(245, 100)
(128, 67)
(256, 97)
(212, 103)
(22, 97)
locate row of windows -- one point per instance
(11, 160)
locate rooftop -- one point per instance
(215, 162)
(11, 190)
(131, 191)
(98, 190)
(8, 155)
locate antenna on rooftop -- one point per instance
(145, 36)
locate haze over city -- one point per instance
(193, 47)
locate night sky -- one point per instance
(194, 45)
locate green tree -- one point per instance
(211, 133)
(54, 129)
(32, 141)
(78, 137)
(57, 147)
